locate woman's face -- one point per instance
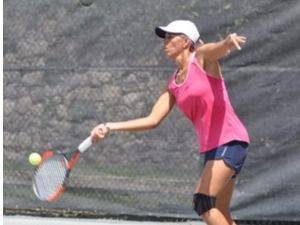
(174, 44)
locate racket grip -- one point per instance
(85, 144)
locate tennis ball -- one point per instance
(35, 159)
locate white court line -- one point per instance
(30, 220)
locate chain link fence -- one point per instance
(128, 172)
(57, 88)
(68, 67)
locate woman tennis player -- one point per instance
(198, 89)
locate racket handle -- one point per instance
(85, 144)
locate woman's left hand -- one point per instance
(235, 41)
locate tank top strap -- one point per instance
(193, 57)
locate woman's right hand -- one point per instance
(99, 132)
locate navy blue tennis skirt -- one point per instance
(233, 153)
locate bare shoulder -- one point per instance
(168, 93)
(212, 67)
(202, 47)
(201, 52)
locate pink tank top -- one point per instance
(204, 100)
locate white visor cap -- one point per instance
(185, 27)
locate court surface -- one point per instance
(29, 220)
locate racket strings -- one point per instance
(50, 177)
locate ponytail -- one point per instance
(195, 45)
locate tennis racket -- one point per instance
(50, 177)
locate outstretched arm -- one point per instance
(160, 110)
(218, 50)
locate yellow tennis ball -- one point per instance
(35, 159)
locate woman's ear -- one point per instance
(187, 43)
